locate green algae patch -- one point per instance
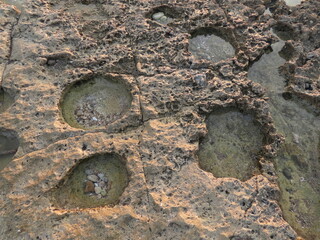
(231, 145)
(73, 192)
(297, 164)
(8, 147)
(95, 102)
(300, 192)
(208, 44)
(5, 100)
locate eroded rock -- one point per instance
(168, 196)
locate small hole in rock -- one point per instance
(163, 14)
(84, 147)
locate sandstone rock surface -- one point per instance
(46, 45)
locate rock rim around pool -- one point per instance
(98, 100)
(96, 181)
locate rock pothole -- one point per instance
(97, 181)
(231, 146)
(6, 100)
(9, 144)
(210, 44)
(95, 102)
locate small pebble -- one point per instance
(79, 112)
(99, 196)
(105, 179)
(88, 171)
(96, 184)
(157, 15)
(102, 184)
(41, 61)
(287, 173)
(296, 138)
(93, 178)
(163, 19)
(100, 175)
(89, 187)
(51, 62)
(97, 190)
(103, 193)
(311, 55)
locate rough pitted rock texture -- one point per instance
(50, 43)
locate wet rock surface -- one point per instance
(297, 162)
(53, 44)
(204, 44)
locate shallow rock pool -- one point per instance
(297, 164)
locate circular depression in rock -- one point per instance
(97, 181)
(5, 100)
(210, 45)
(231, 145)
(9, 144)
(95, 102)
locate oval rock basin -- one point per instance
(96, 181)
(231, 145)
(208, 46)
(95, 102)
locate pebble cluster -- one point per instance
(161, 17)
(96, 184)
(86, 113)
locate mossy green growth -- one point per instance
(231, 146)
(71, 193)
(300, 192)
(95, 102)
